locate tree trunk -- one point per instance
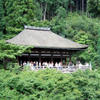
(70, 5)
(41, 9)
(82, 6)
(5, 63)
(44, 13)
(76, 5)
(5, 14)
(70, 8)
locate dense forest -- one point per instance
(77, 20)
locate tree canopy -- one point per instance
(77, 20)
(50, 84)
(10, 52)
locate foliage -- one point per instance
(1, 15)
(42, 23)
(9, 51)
(98, 48)
(14, 67)
(58, 23)
(49, 85)
(49, 7)
(94, 7)
(20, 13)
(56, 14)
(2, 21)
(84, 30)
(80, 29)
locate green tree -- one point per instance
(84, 30)
(50, 85)
(1, 16)
(94, 7)
(98, 48)
(58, 23)
(44, 4)
(9, 52)
(20, 13)
(2, 19)
(83, 38)
(49, 7)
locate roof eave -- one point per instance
(61, 48)
(83, 48)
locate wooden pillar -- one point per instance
(66, 61)
(39, 59)
(51, 57)
(29, 57)
(70, 58)
(61, 58)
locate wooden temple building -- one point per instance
(47, 46)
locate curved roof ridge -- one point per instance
(37, 28)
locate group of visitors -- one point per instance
(36, 65)
(78, 65)
(33, 65)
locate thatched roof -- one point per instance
(44, 38)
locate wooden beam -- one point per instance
(33, 52)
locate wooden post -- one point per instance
(40, 60)
(51, 57)
(70, 58)
(61, 58)
(29, 57)
(66, 61)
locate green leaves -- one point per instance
(50, 84)
(58, 23)
(19, 13)
(94, 7)
(9, 52)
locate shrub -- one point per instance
(49, 85)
